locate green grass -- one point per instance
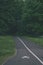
(7, 47)
(38, 40)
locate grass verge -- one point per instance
(7, 47)
(38, 40)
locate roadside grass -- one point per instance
(38, 40)
(7, 47)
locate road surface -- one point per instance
(28, 53)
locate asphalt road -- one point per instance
(23, 56)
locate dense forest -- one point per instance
(21, 17)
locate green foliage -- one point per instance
(33, 16)
(18, 16)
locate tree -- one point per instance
(32, 15)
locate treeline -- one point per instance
(21, 17)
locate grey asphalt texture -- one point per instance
(22, 51)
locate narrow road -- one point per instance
(28, 53)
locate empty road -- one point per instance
(28, 53)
